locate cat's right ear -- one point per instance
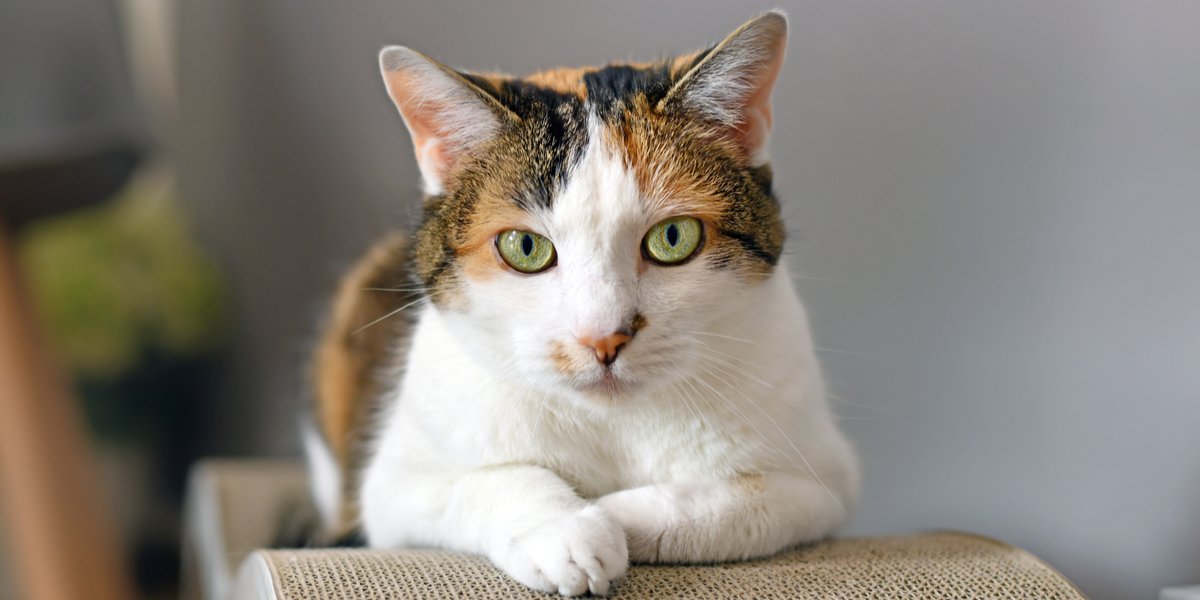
(447, 115)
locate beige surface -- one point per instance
(936, 565)
(234, 507)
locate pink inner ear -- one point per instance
(422, 116)
(432, 157)
(753, 132)
(446, 116)
(755, 125)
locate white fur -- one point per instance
(325, 480)
(488, 448)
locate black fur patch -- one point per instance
(553, 131)
(750, 244)
(610, 89)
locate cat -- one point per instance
(590, 351)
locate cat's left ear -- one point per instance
(731, 84)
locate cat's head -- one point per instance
(581, 225)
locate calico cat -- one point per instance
(590, 351)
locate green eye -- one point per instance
(674, 240)
(525, 251)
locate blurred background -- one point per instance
(994, 207)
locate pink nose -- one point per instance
(607, 347)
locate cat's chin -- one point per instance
(606, 388)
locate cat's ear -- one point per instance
(731, 83)
(447, 115)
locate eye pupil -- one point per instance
(527, 244)
(673, 234)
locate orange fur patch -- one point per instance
(563, 81)
(352, 351)
(561, 360)
(476, 254)
(671, 180)
(682, 63)
(751, 483)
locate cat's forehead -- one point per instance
(604, 85)
(565, 112)
(600, 200)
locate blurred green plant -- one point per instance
(139, 316)
(123, 280)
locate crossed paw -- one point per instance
(579, 553)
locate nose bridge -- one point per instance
(598, 224)
(603, 298)
(604, 316)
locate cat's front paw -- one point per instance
(572, 555)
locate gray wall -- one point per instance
(995, 209)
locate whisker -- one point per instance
(743, 377)
(690, 406)
(761, 345)
(725, 337)
(713, 353)
(699, 410)
(797, 276)
(783, 433)
(412, 289)
(391, 314)
(734, 371)
(837, 398)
